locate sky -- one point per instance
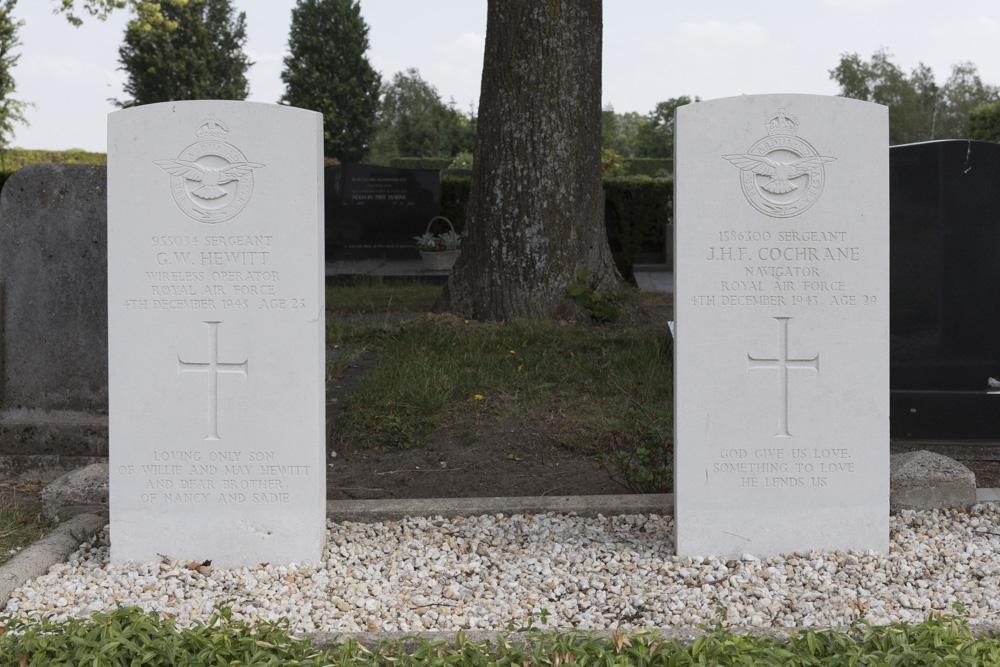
(653, 50)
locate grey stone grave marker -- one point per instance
(53, 311)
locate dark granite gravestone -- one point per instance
(945, 290)
(54, 311)
(378, 210)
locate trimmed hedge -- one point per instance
(15, 158)
(649, 166)
(420, 162)
(455, 199)
(643, 206)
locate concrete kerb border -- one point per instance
(682, 634)
(367, 511)
(55, 547)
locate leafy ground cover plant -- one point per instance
(639, 453)
(600, 307)
(129, 636)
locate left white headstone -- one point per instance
(215, 330)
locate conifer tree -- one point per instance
(327, 71)
(192, 51)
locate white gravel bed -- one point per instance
(589, 573)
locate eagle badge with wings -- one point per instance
(782, 175)
(211, 180)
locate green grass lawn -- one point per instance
(441, 368)
(597, 388)
(377, 295)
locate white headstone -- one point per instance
(782, 310)
(216, 333)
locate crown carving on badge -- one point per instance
(212, 129)
(781, 122)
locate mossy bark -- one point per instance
(536, 208)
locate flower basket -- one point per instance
(443, 260)
(440, 260)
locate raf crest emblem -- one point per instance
(782, 175)
(211, 180)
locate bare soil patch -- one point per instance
(490, 458)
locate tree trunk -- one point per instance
(536, 209)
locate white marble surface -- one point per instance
(216, 362)
(782, 374)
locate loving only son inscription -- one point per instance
(215, 326)
(781, 358)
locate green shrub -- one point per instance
(420, 162)
(455, 199)
(612, 163)
(600, 307)
(649, 166)
(640, 456)
(984, 123)
(644, 207)
(461, 161)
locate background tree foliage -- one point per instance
(101, 8)
(655, 138)
(414, 122)
(11, 110)
(327, 71)
(190, 51)
(919, 109)
(637, 135)
(984, 122)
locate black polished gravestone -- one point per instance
(376, 211)
(945, 291)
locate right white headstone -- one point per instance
(782, 310)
